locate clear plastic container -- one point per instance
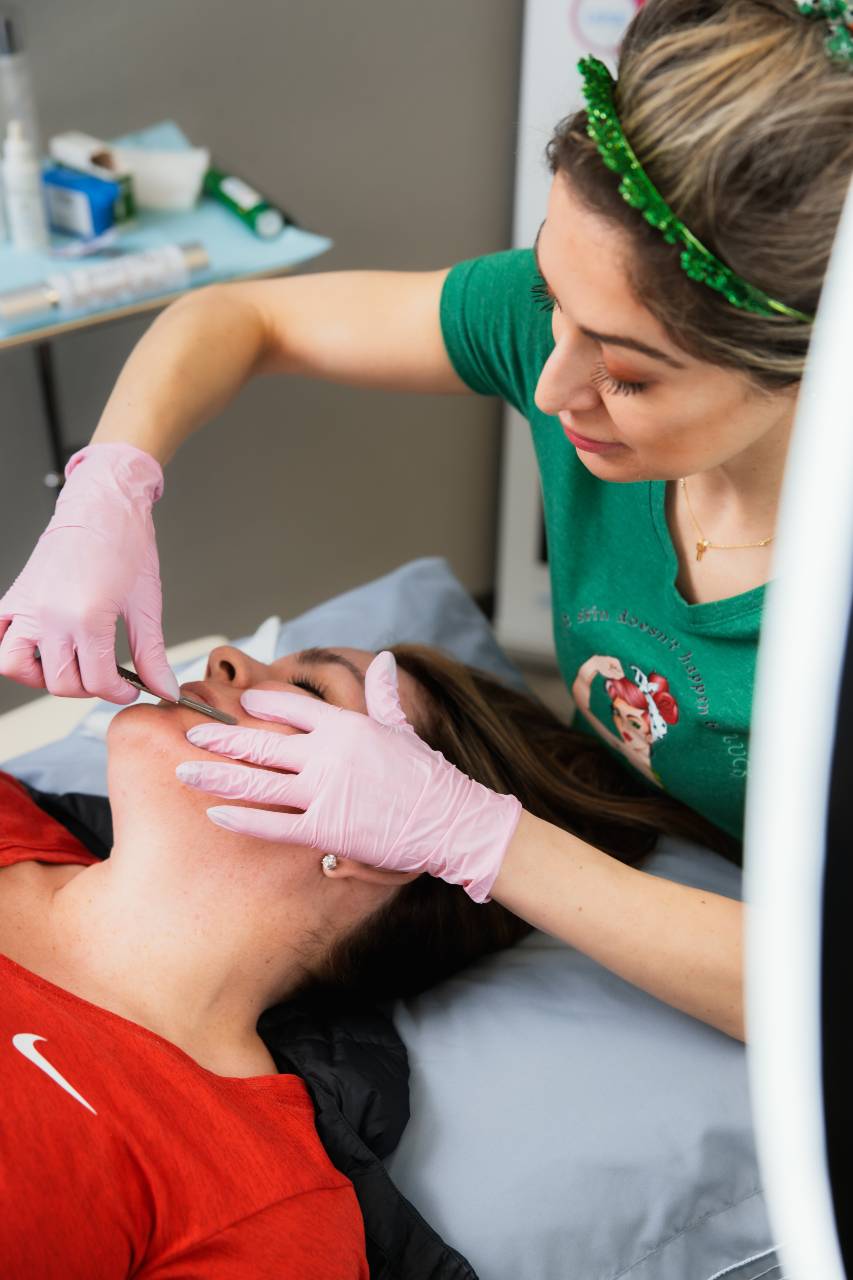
(17, 98)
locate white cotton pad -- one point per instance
(165, 179)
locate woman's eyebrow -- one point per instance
(610, 339)
(318, 657)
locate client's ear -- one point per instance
(349, 868)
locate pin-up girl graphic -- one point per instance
(642, 709)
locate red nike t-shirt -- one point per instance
(121, 1156)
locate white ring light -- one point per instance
(805, 626)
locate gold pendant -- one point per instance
(701, 548)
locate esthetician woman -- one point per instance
(654, 337)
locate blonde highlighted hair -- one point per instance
(745, 126)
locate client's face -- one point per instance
(146, 742)
(330, 675)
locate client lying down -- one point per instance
(146, 1131)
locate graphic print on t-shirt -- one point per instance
(642, 709)
(25, 1043)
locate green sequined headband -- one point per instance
(838, 15)
(638, 190)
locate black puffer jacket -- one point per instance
(357, 1072)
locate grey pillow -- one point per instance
(565, 1124)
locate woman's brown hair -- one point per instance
(512, 743)
(745, 127)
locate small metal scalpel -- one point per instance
(184, 700)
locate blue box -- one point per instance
(78, 203)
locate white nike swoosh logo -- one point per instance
(25, 1044)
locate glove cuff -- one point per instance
(135, 472)
(476, 843)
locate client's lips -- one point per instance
(200, 690)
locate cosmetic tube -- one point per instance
(107, 284)
(248, 204)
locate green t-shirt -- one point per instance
(679, 711)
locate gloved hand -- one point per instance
(371, 789)
(95, 560)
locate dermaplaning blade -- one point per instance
(185, 700)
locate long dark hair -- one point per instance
(515, 745)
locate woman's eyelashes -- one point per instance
(542, 295)
(604, 381)
(310, 686)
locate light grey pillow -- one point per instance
(565, 1124)
(420, 603)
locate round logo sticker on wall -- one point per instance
(598, 25)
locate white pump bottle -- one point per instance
(25, 207)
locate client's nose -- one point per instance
(232, 666)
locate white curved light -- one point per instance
(799, 672)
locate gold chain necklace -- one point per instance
(704, 544)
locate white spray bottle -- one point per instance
(25, 206)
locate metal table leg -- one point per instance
(59, 454)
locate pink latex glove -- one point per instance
(95, 560)
(370, 788)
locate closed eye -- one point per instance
(605, 381)
(303, 682)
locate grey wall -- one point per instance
(387, 125)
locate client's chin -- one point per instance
(162, 717)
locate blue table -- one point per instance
(235, 253)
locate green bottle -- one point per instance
(248, 204)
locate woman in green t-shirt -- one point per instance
(655, 337)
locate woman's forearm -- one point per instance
(682, 945)
(187, 366)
